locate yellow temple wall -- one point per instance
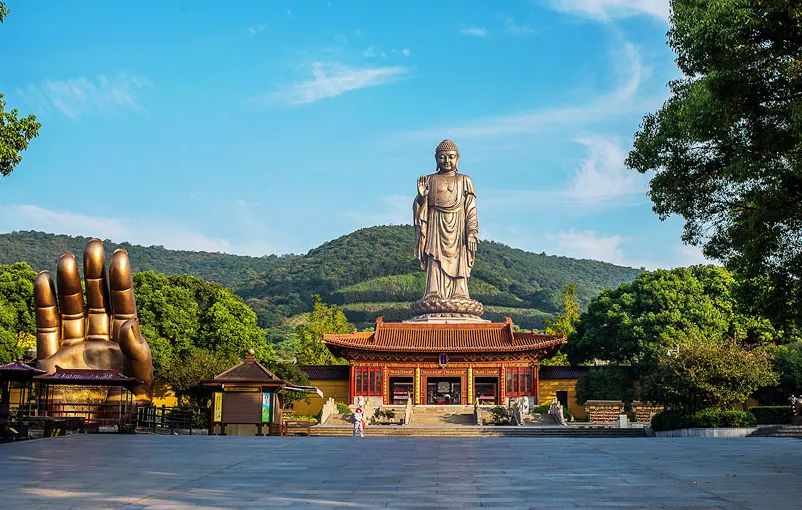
(547, 391)
(163, 395)
(336, 389)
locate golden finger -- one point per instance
(48, 324)
(123, 304)
(137, 361)
(71, 300)
(97, 292)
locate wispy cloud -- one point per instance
(78, 96)
(331, 80)
(473, 31)
(170, 234)
(256, 29)
(588, 244)
(511, 26)
(603, 176)
(614, 104)
(605, 10)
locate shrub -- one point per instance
(541, 409)
(342, 408)
(772, 415)
(500, 415)
(706, 418)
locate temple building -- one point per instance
(443, 363)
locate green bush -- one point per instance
(706, 418)
(500, 415)
(342, 408)
(541, 409)
(772, 415)
(606, 383)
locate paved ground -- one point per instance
(163, 472)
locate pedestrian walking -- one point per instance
(359, 422)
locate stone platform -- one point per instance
(144, 472)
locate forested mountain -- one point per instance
(369, 272)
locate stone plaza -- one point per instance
(138, 472)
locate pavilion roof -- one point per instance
(437, 338)
(87, 376)
(18, 370)
(249, 371)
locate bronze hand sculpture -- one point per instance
(104, 336)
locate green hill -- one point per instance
(370, 272)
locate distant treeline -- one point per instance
(370, 272)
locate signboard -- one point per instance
(240, 388)
(218, 407)
(443, 359)
(266, 407)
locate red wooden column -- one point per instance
(352, 386)
(502, 386)
(535, 386)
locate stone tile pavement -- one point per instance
(146, 472)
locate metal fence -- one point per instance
(172, 420)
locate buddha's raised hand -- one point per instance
(104, 336)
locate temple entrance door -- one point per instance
(486, 389)
(443, 390)
(401, 388)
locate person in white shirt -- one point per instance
(359, 423)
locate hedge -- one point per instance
(706, 418)
(772, 415)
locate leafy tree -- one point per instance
(787, 363)
(15, 132)
(17, 320)
(564, 323)
(707, 373)
(726, 147)
(185, 377)
(184, 314)
(605, 383)
(323, 319)
(630, 325)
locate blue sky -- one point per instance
(271, 127)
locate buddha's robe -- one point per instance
(443, 222)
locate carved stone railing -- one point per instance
(408, 411)
(329, 410)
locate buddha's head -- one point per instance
(447, 156)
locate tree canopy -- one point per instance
(323, 319)
(15, 132)
(708, 373)
(726, 147)
(631, 324)
(17, 318)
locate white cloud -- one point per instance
(605, 10)
(473, 31)
(603, 176)
(617, 103)
(167, 233)
(331, 80)
(406, 52)
(511, 26)
(77, 96)
(391, 210)
(588, 244)
(256, 29)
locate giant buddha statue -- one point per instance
(447, 228)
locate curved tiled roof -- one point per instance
(428, 337)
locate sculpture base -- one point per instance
(447, 310)
(444, 318)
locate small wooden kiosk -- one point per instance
(17, 399)
(245, 400)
